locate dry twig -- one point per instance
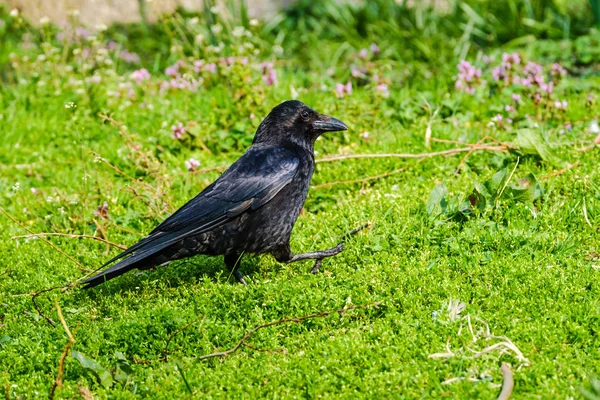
(508, 383)
(585, 215)
(363, 180)
(61, 363)
(37, 235)
(81, 267)
(249, 334)
(448, 152)
(560, 171)
(165, 356)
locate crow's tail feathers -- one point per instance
(144, 256)
(112, 272)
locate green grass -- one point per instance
(528, 269)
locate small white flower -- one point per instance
(16, 187)
(44, 20)
(14, 13)
(594, 127)
(254, 22)
(216, 29)
(238, 31)
(277, 49)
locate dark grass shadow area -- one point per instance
(192, 271)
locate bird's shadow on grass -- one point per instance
(192, 271)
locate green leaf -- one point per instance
(487, 192)
(123, 369)
(5, 339)
(437, 200)
(531, 142)
(527, 190)
(102, 374)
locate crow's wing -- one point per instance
(252, 181)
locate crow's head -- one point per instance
(293, 121)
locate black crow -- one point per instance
(250, 208)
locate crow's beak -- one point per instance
(325, 124)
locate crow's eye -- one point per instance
(304, 114)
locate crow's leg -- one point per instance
(284, 254)
(232, 261)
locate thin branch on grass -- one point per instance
(37, 235)
(500, 147)
(363, 180)
(587, 148)
(508, 383)
(585, 215)
(560, 171)
(470, 379)
(119, 171)
(123, 130)
(165, 356)
(77, 263)
(448, 152)
(209, 169)
(479, 143)
(280, 351)
(124, 229)
(428, 129)
(354, 231)
(449, 353)
(504, 344)
(507, 182)
(61, 363)
(249, 334)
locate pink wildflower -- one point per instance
(173, 70)
(269, 74)
(198, 64)
(468, 77)
(140, 75)
(557, 70)
(178, 131)
(192, 164)
(511, 59)
(383, 90)
(212, 67)
(129, 57)
(102, 211)
(341, 89)
(561, 105)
